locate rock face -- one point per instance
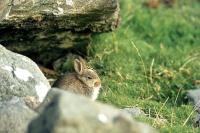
(4, 9)
(52, 28)
(20, 77)
(77, 15)
(70, 113)
(194, 96)
(15, 116)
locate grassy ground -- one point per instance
(150, 61)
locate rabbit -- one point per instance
(84, 80)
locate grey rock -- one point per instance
(71, 113)
(51, 28)
(76, 15)
(49, 97)
(4, 9)
(21, 77)
(194, 96)
(134, 111)
(197, 120)
(15, 116)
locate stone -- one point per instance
(197, 120)
(76, 15)
(21, 77)
(49, 97)
(134, 111)
(70, 113)
(15, 116)
(52, 28)
(194, 96)
(4, 9)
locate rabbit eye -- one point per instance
(89, 77)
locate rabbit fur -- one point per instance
(84, 80)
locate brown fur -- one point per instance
(70, 82)
(83, 81)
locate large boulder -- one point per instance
(76, 15)
(52, 28)
(65, 112)
(21, 77)
(15, 116)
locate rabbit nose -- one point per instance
(97, 84)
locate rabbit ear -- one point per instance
(82, 61)
(78, 66)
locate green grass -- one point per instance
(150, 61)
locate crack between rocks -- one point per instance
(13, 70)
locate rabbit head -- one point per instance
(86, 75)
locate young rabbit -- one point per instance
(84, 80)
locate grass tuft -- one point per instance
(150, 61)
